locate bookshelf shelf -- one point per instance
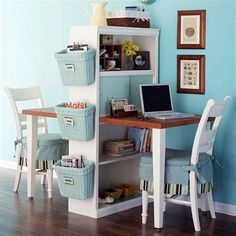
(126, 73)
(108, 159)
(110, 170)
(106, 209)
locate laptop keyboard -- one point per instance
(171, 115)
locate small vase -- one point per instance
(128, 63)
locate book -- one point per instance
(119, 142)
(142, 139)
(134, 134)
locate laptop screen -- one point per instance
(155, 98)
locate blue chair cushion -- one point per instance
(51, 147)
(177, 167)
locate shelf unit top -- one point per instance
(125, 73)
(108, 159)
(114, 30)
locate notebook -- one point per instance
(156, 102)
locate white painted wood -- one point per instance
(204, 202)
(194, 201)
(32, 134)
(211, 204)
(16, 96)
(158, 145)
(91, 94)
(43, 180)
(144, 206)
(107, 209)
(126, 73)
(108, 159)
(178, 201)
(19, 167)
(50, 182)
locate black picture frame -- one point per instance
(142, 60)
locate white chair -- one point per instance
(192, 168)
(47, 143)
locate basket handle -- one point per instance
(69, 121)
(68, 180)
(69, 67)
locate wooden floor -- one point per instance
(20, 216)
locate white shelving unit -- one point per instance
(109, 170)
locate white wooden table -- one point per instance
(158, 151)
(158, 144)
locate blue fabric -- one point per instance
(51, 147)
(177, 167)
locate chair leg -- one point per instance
(19, 167)
(204, 203)
(144, 206)
(50, 182)
(17, 178)
(43, 179)
(194, 201)
(211, 204)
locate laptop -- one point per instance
(156, 102)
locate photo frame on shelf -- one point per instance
(142, 60)
(191, 29)
(118, 104)
(191, 74)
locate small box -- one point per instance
(128, 189)
(106, 39)
(115, 193)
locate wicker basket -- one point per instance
(76, 68)
(76, 182)
(128, 22)
(76, 124)
(128, 18)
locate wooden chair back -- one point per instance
(25, 95)
(206, 132)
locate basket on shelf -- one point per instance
(76, 182)
(128, 18)
(76, 124)
(76, 68)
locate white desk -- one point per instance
(158, 143)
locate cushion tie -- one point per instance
(194, 168)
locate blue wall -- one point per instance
(31, 32)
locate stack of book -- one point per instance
(142, 139)
(119, 147)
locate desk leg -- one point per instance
(158, 146)
(32, 133)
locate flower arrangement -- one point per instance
(130, 48)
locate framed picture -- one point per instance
(142, 60)
(118, 104)
(191, 74)
(191, 28)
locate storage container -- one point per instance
(128, 18)
(76, 182)
(76, 68)
(76, 124)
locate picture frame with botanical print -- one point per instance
(191, 74)
(191, 29)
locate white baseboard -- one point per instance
(8, 164)
(225, 208)
(219, 207)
